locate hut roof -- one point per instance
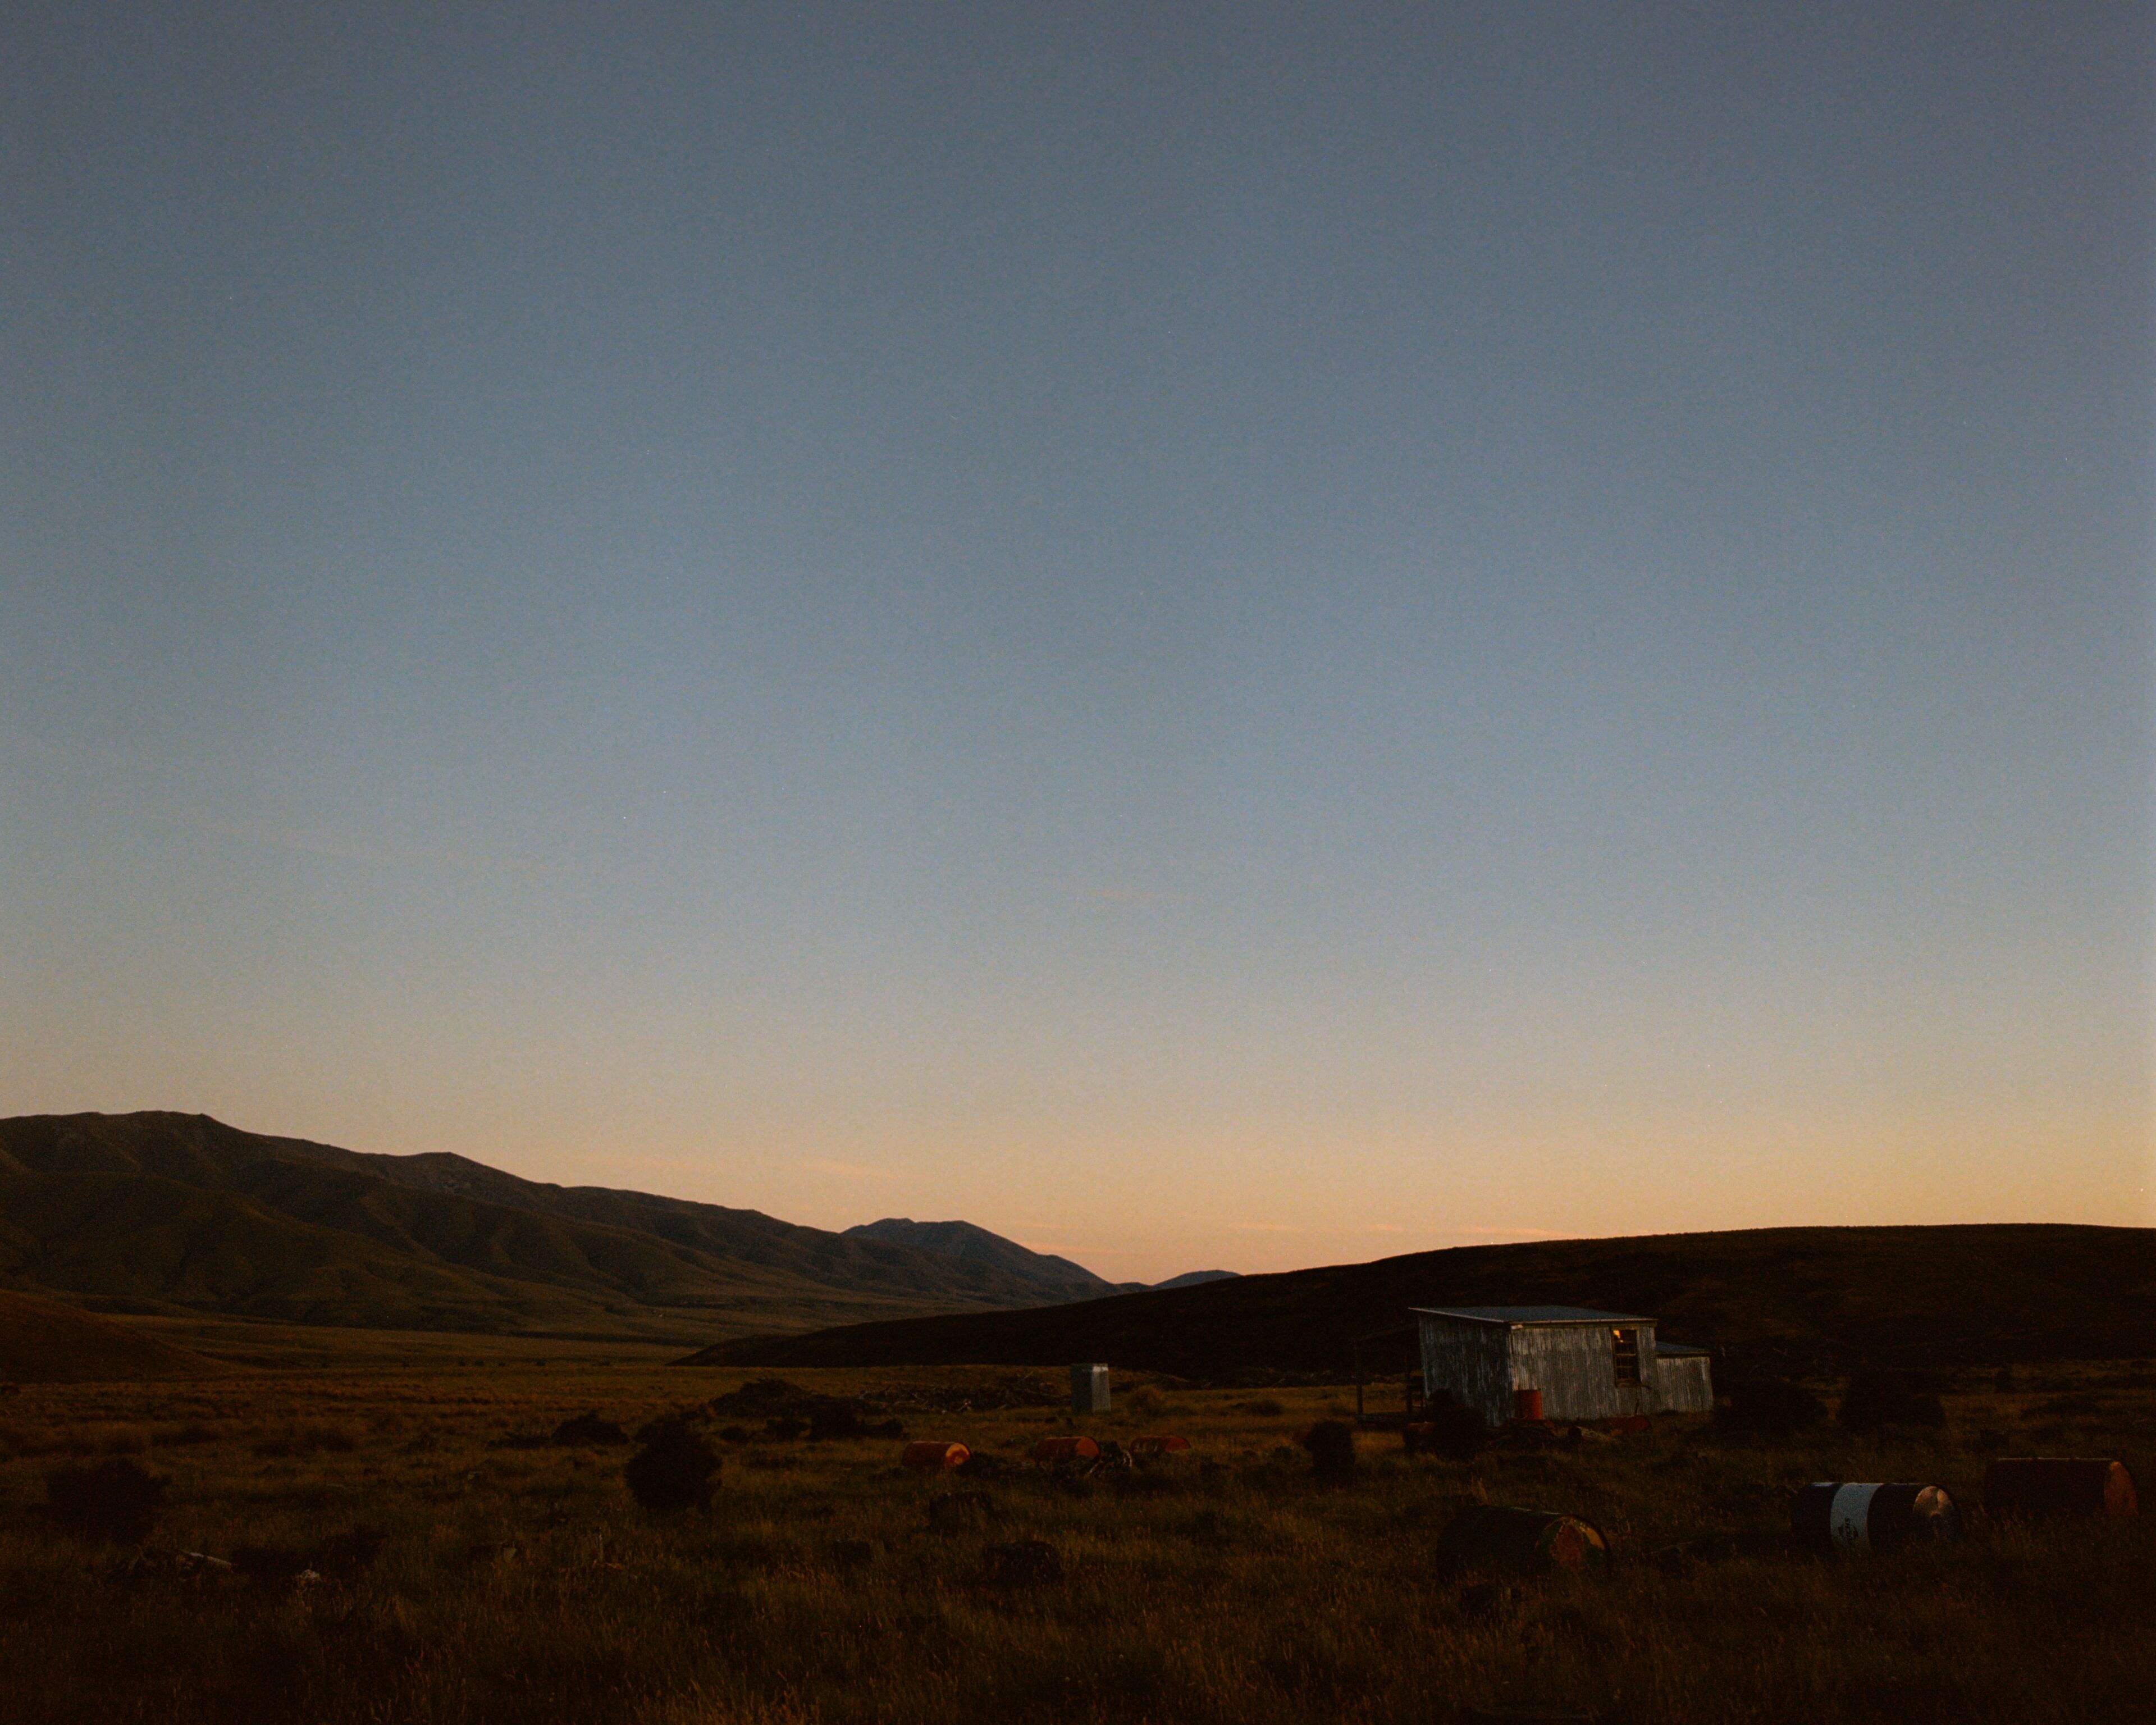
(1530, 1314)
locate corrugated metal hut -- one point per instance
(1584, 1364)
(1685, 1377)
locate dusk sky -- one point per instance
(1247, 636)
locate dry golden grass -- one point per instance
(816, 1588)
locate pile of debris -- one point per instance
(980, 1395)
(789, 1412)
(769, 1399)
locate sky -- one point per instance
(1244, 635)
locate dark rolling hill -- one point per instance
(1793, 1297)
(45, 1341)
(973, 1244)
(160, 1212)
(964, 1240)
(1192, 1278)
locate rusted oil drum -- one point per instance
(2045, 1485)
(1489, 1537)
(1065, 1449)
(1842, 1515)
(1159, 1444)
(1528, 1406)
(933, 1457)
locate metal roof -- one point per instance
(1679, 1347)
(1531, 1314)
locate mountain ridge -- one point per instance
(182, 1213)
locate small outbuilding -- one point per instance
(1580, 1365)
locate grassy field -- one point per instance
(516, 1582)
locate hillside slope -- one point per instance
(1782, 1296)
(163, 1212)
(45, 1341)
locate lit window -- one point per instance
(1626, 1349)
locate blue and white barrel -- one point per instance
(1840, 1515)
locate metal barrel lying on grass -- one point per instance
(1159, 1444)
(1844, 1515)
(1065, 1449)
(1491, 1537)
(926, 1457)
(2041, 1486)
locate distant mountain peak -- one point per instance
(1058, 1279)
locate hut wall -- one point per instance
(1473, 1360)
(1687, 1383)
(1575, 1367)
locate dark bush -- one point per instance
(960, 1509)
(1331, 1446)
(785, 1430)
(1447, 1429)
(675, 1470)
(588, 1431)
(1772, 1406)
(113, 1499)
(833, 1422)
(734, 1434)
(1877, 1399)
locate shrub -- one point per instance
(1876, 1399)
(675, 1470)
(1772, 1405)
(588, 1431)
(835, 1421)
(1331, 1446)
(114, 1499)
(1449, 1429)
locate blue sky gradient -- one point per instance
(1248, 634)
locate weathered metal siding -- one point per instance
(1473, 1360)
(1687, 1383)
(1575, 1367)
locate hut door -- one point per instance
(1627, 1352)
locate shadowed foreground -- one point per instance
(517, 1581)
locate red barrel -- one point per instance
(1841, 1515)
(933, 1457)
(1065, 1449)
(1159, 1446)
(1489, 1537)
(1527, 1407)
(2045, 1485)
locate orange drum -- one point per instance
(1065, 1449)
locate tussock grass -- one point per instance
(523, 1582)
